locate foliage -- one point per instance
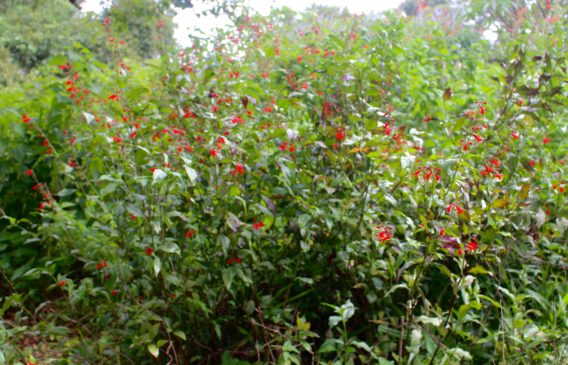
(304, 188)
(36, 30)
(143, 24)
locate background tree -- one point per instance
(32, 31)
(145, 25)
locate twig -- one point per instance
(401, 340)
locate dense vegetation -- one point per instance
(301, 188)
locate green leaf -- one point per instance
(435, 321)
(227, 359)
(154, 350)
(110, 188)
(191, 173)
(302, 324)
(158, 175)
(330, 345)
(492, 301)
(134, 210)
(180, 334)
(90, 118)
(171, 247)
(479, 270)
(157, 265)
(362, 345)
(227, 277)
(65, 192)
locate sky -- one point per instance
(186, 20)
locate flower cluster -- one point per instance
(492, 168)
(234, 260)
(428, 173)
(385, 233)
(453, 206)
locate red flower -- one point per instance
(487, 171)
(61, 283)
(237, 120)
(213, 153)
(114, 292)
(515, 135)
(339, 135)
(453, 206)
(552, 20)
(29, 172)
(25, 118)
(258, 225)
(114, 97)
(189, 233)
(117, 139)
(482, 110)
(149, 251)
(189, 114)
(387, 129)
(221, 140)
(101, 265)
(495, 162)
(472, 245)
(235, 260)
(532, 163)
(478, 138)
(239, 169)
(385, 233)
(267, 109)
(283, 146)
(546, 140)
(459, 209)
(215, 108)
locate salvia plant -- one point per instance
(300, 188)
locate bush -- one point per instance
(304, 188)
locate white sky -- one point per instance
(187, 21)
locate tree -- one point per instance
(145, 25)
(32, 31)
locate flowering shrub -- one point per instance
(303, 188)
